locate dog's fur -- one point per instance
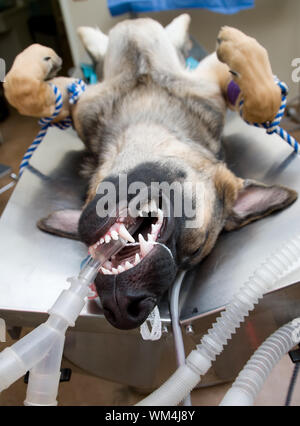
(153, 120)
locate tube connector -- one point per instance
(12, 367)
(38, 390)
(198, 363)
(68, 306)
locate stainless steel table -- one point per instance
(35, 265)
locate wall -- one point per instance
(85, 13)
(275, 23)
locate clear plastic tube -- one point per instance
(251, 379)
(40, 351)
(16, 360)
(175, 389)
(44, 377)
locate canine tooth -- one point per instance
(137, 258)
(150, 238)
(154, 228)
(105, 271)
(160, 216)
(107, 238)
(153, 206)
(125, 234)
(101, 240)
(121, 269)
(114, 235)
(128, 265)
(145, 207)
(145, 246)
(114, 271)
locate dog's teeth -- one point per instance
(101, 240)
(137, 259)
(160, 216)
(125, 234)
(153, 206)
(107, 265)
(145, 246)
(154, 228)
(114, 271)
(141, 213)
(128, 265)
(150, 238)
(105, 271)
(107, 239)
(145, 208)
(121, 269)
(114, 235)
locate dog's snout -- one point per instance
(128, 312)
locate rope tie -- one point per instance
(75, 90)
(272, 127)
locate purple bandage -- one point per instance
(233, 92)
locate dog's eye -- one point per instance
(196, 252)
(47, 58)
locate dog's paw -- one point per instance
(249, 64)
(243, 54)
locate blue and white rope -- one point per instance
(272, 127)
(78, 87)
(75, 90)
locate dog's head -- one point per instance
(177, 208)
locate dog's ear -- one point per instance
(255, 201)
(245, 201)
(62, 222)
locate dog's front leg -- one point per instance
(27, 85)
(250, 69)
(242, 60)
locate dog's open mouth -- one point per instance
(150, 224)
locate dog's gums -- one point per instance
(138, 245)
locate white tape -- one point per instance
(155, 323)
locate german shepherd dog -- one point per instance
(152, 120)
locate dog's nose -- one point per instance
(128, 311)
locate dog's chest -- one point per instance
(185, 118)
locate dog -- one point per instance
(153, 121)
